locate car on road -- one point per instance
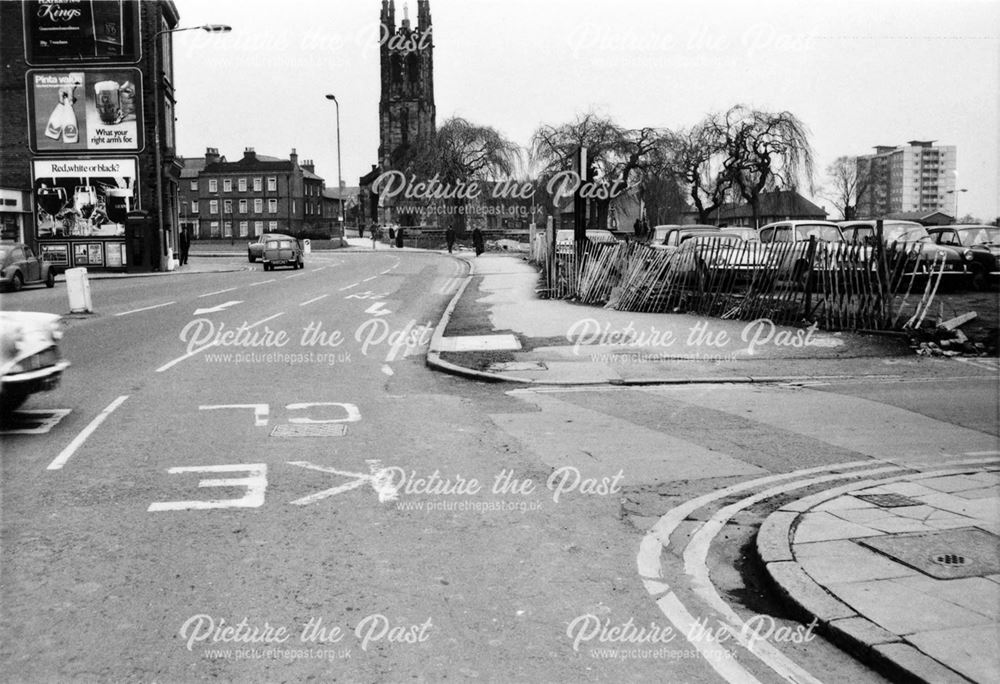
(282, 250)
(255, 250)
(20, 266)
(913, 237)
(30, 360)
(982, 243)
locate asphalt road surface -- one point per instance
(252, 477)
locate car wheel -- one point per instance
(250, 257)
(9, 403)
(16, 283)
(50, 279)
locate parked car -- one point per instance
(255, 250)
(832, 251)
(281, 250)
(670, 236)
(30, 361)
(981, 248)
(20, 266)
(565, 239)
(745, 233)
(723, 256)
(914, 238)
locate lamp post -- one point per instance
(340, 181)
(157, 152)
(955, 193)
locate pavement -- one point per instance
(903, 572)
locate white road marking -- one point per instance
(315, 270)
(352, 412)
(377, 310)
(980, 362)
(45, 421)
(387, 369)
(78, 441)
(145, 308)
(348, 287)
(262, 282)
(314, 299)
(171, 364)
(294, 275)
(255, 483)
(218, 308)
(450, 285)
(260, 411)
(361, 479)
(371, 278)
(210, 294)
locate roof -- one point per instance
(780, 203)
(331, 193)
(917, 215)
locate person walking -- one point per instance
(375, 231)
(399, 238)
(185, 241)
(477, 241)
(449, 237)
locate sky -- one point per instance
(858, 73)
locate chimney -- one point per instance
(211, 155)
(309, 166)
(249, 154)
(294, 157)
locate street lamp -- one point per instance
(340, 181)
(157, 78)
(955, 192)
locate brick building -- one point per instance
(79, 105)
(256, 194)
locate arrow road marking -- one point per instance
(220, 307)
(378, 478)
(377, 309)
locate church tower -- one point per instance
(406, 108)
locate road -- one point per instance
(253, 477)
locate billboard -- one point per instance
(83, 197)
(84, 111)
(59, 31)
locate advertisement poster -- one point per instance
(81, 30)
(57, 255)
(84, 197)
(77, 111)
(114, 254)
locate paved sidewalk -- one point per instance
(904, 573)
(497, 329)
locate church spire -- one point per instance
(406, 16)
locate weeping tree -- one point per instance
(618, 157)
(696, 157)
(764, 151)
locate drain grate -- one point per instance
(888, 500)
(950, 559)
(310, 430)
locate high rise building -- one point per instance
(916, 177)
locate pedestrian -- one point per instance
(185, 240)
(477, 241)
(449, 236)
(392, 236)
(399, 238)
(375, 231)
(645, 227)
(361, 230)
(637, 229)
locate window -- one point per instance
(213, 184)
(213, 206)
(213, 229)
(258, 184)
(241, 184)
(272, 206)
(243, 206)
(194, 206)
(293, 206)
(244, 226)
(227, 207)
(272, 184)
(227, 229)
(258, 206)
(227, 185)
(272, 226)
(194, 186)
(258, 228)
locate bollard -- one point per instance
(171, 264)
(78, 288)
(307, 247)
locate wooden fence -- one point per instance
(839, 286)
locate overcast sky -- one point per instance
(858, 73)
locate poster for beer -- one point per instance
(84, 197)
(81, 31)
(77, 111)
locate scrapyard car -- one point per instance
(832, 251)
(282, 250)
(912, 237)
(30, 361)
(980, 245)
(20, 266)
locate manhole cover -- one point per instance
(948, 554)
(888, 500)
(310, 430)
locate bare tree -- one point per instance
(846, 187)
(765, 151)
(696, 158)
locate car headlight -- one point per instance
(10, 341)
(967, 254)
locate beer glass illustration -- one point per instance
(108, 101)
(50, 202)
(84, 203)
(116, 201)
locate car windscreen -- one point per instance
(600, 236)
(820, 232)
(903, 233)
(980, 236)
(4, 251)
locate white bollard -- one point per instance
(171, 264)
(78, 288)
(307, 247)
